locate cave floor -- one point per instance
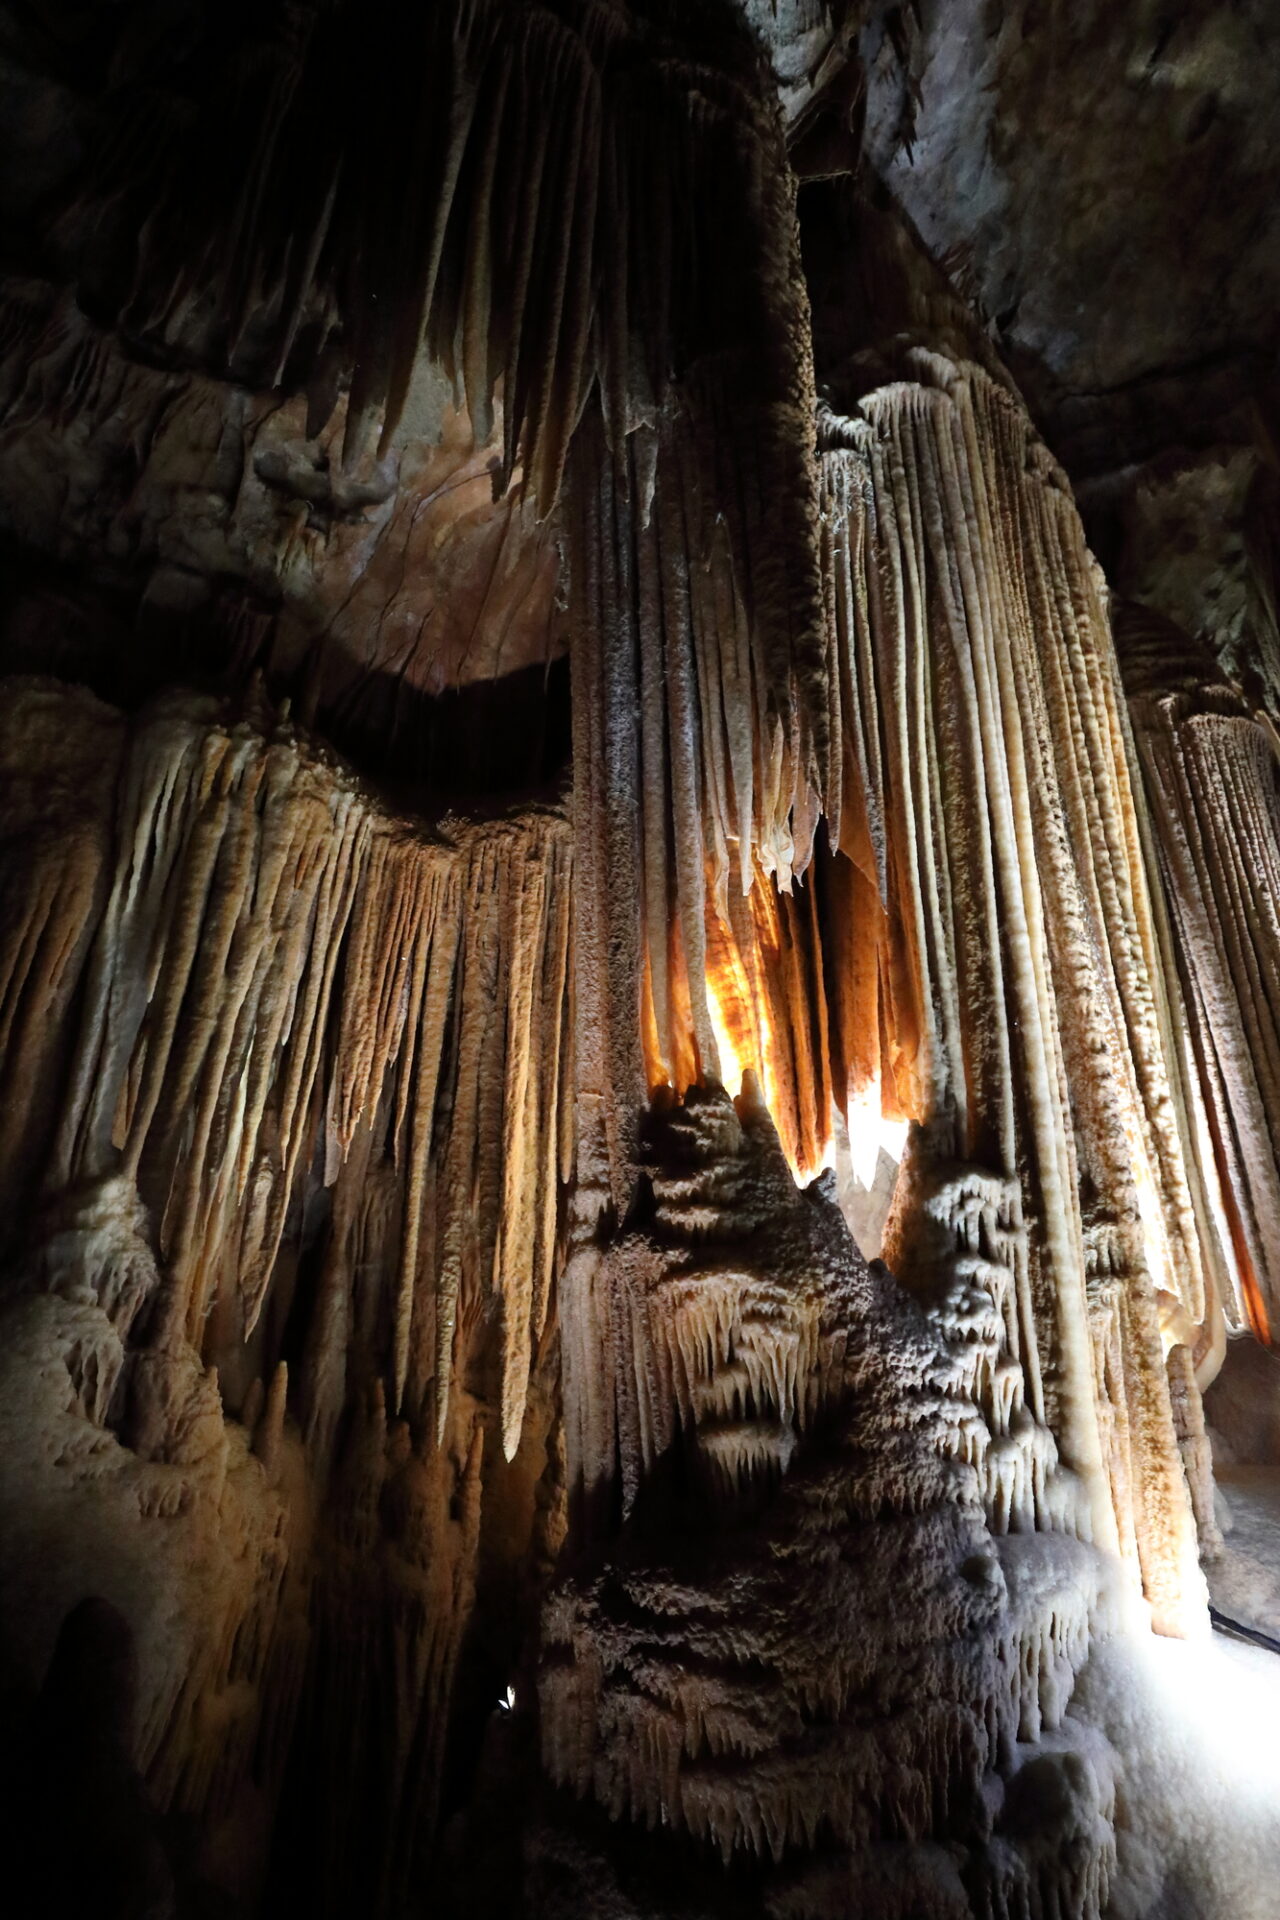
(1244, 1582)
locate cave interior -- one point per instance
(640, 959)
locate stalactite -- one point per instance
(333, 1130)
(1028, 1031)
(263, 998)
(1210, 772)
(590, 211)
(974, 946)
(669, 654)
(589, 208)
(553, 196)
(768, 997)
(59, 757)
(982, 954)
(679, 753)
(273, 958)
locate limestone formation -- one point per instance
(568, 769)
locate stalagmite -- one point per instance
(718, 1677)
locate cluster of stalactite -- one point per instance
(514, 187)
(599, 219)
(287, 1140)
(262, 977)
(689, 789)
(587, 207)
(299, 1094)
(981, 953)
(1209, 764)
(987, 803)
(690, 779)
(738, 1666)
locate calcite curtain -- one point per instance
(274, 970)
(1037, 1040)
(1209, 764)
(292, 1077)
(977, 940)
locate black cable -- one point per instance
(1222, 1624)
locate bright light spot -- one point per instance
(869, 1131)
(745, 1042)
(732, 1066)
(755, 1053)
(508, 1700)
(1224, 1697)
(768, 1079)
(1193, 1724)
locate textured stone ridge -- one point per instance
(742, 1664)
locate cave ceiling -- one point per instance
(1093, 186)
(1098, 180)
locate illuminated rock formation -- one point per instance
(1210, 769)
(1011, 873)
(264, 997)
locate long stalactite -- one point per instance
(300, 1083)
(984, 938)
(541, 179)
(1013, 877)
(277, 967)
(1209, 765)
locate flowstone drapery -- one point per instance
(739, 1666)
(276, 978)
(1209, 764)
(992, 783)
(980, 955)
(295, 1084)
